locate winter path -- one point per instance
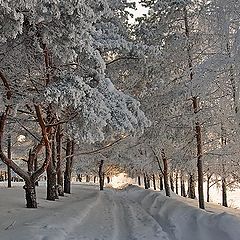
(86, 214)
(130, 214)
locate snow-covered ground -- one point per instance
(129, 214)
(182, 220)
(233, 196)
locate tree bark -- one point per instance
(9, 172)
(51, 183)
(148, 181)
(165, 173)
(59, 162)
(208, 187)
(145, 181)
(79, 177)
(87, 178)
(36, 168)
(139, 181)
(183, 190)
(200, 165)
(101, 175)
(68, 169)
(160, 183)
(198, 130)
(30, 193)
(191, 193)
(52, 175)
(176, 182)
(171, 182)
(154, 182)
(224, 185)
(224, 192)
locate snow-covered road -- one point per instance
(89, 214)
(86, 214)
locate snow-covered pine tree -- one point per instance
(52, 72)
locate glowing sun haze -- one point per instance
(121, 180)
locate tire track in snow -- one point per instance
(98, 225)
(122, 228)
(91, 215)
(117, 218)
(141, 225)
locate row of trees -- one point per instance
(189, 88)
(54, 87)
(68, 70)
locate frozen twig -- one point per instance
(10, 226)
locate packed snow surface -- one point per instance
(129, 214)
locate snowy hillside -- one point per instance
(128, 214)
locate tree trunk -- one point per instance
(176, 182)
(165, 173)
(200, 166)
(224, 185)
(9, 172)
(154, 182)
(139, 181)
(29, 176)
(36, 168)
(101, 175)
(224, 192)
(51, 183)
(208, 187)
(160, 183)
(108, 179)
(30, 194)
(87, 178)
(94, 179)
(52, 175)
(183, 190)
(68, 169)
(145, 181)
(195, 104)
(191, 193)
(79, 177)
(148, 181)
(59, 162)
(171, 182)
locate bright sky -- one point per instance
(140, 10)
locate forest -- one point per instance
(89, 91)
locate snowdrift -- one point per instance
(184, 222)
